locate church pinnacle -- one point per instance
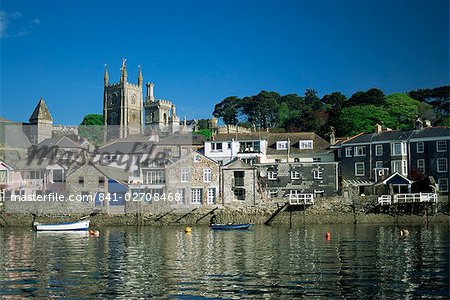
(123, 74)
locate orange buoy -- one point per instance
(94, 233)
(328, 236)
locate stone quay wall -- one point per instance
(326, 210)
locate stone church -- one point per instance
(126, 113)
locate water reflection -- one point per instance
(130, 262)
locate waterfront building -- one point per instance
(418, 153)
(266, 147)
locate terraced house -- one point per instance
(421, 152)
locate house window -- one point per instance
(421, 165)
(239, 194)
(441, 146)
(348, 152)
(57, 176)
(379, 164)
(443, 184)
(180, 196)
(272, 175)
(359, 169)
(196, 196)
(306, 144)
(282, 145)
(317, 159)
(273, 193)
(419, 147)
(211, 196)
(249, 147)
(101, 182)
(398, 149)
(229, 145)
(239, 178)
(249, 161)
(81, 181)
(4, 176)
(155, 177)
(295, 174)
(399, 166)
(378, 150)
(216, 147)
(207, 175)
(319, 193)
(360, 151)
(185, 174)
(442, 165)
(317, 174)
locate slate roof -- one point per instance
(319, 144)
(398, 135)
(12, 136)
(62, 142)
(238, 164)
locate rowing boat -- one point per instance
(230, 226)
(78, 225)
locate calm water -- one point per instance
(126, 262)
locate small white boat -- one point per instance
(69, 226)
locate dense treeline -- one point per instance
(349, 116)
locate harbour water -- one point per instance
(359, 261)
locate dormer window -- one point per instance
(282, 145)
(216, 147)
(305, 144)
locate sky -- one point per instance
(199, 52)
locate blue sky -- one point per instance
(199, 52)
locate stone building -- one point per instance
(195, 180)
(288, 180)
(40, 124)
(240, 184)
(160, 115)
(122, 104)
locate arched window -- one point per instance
(133, 100)
(165, 118)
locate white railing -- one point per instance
(407, 198)
(297, 199)
(385, 200)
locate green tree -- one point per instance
(438, 97)
(362, 118)
(372, 97)
(93, 119)
(228, 110)
(403, 109)
(207, 133)
(92, 128)
(262, 109)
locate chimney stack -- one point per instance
(150, 96)
(418, 124)
(378, 128)
(427, 123)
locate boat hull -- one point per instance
(73, 226)
(230, 226)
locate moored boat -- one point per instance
(68, 226)
(230, 226)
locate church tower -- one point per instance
(122, 104)
(41, 122)
(160, 115)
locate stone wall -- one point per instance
(326, 210)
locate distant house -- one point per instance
(370, 157)
(266, 147)
(295, 178)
